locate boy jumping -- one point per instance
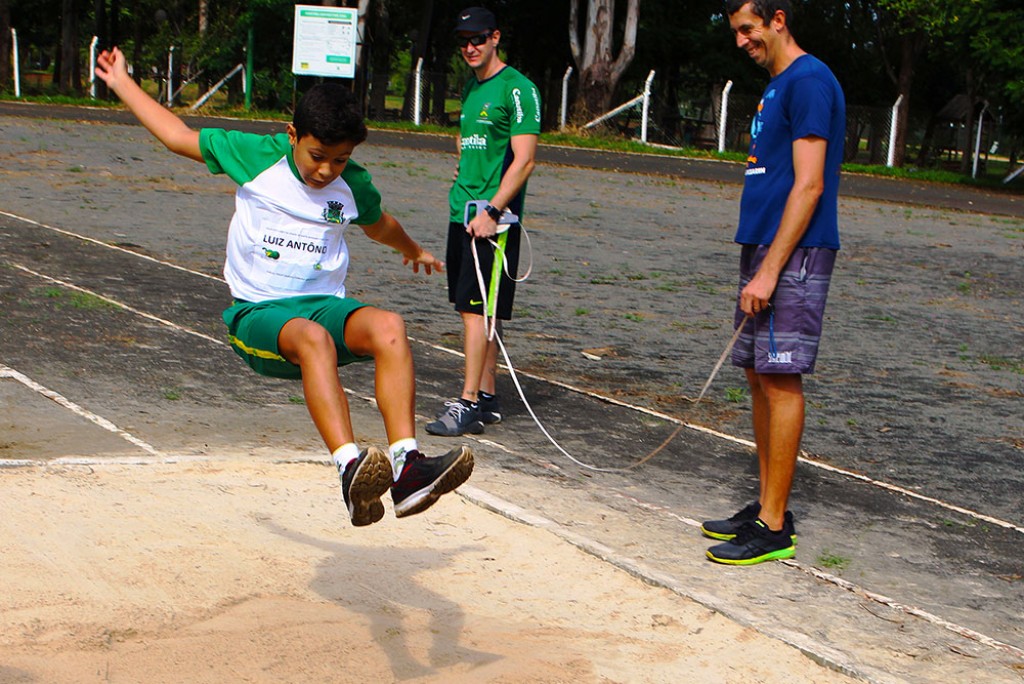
(286, 265)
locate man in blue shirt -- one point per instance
(788, 230)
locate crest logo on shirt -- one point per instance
(333, 212)
(484, 115)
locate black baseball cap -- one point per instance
(475, 20)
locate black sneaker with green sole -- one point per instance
(725, 530)
(753, 543)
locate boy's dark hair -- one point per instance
(765, 9)
(330, 113)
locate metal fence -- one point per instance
(722, 122)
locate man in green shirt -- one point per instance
(497, 142)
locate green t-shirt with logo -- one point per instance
(505, 105)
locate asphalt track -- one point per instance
(935, 589)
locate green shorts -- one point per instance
(253, 329)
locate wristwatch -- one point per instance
(493, 212)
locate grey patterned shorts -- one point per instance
(784, 337)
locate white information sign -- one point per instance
(325, 41)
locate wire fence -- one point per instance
(422, 97)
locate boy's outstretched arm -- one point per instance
(388, 231)
(112, 68)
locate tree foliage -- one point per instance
(931, 51)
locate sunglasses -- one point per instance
(475, 40)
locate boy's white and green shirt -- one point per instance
(286, 238)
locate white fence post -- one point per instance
(417, 100)
(565, 98)
(723, 115)
(891, 157)
(14, 61)
(170, 77)
(645, 109)
(92, 66)
(977, 141)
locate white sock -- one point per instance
(344, 455)
(397, 452)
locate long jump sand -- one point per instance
(242, 571)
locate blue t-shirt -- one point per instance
(804, 100)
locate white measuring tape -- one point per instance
(490, 305)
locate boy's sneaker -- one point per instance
(753, 543)
(363, 482)
(459, 418)
(424, 480)
(490, 410)
(725, 530)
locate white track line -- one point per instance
(804, 458)
(107, 245)
(909, 610)
(477, 495)
(7, 372)
(137, 312)
(848, 586)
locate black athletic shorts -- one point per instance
(463, 289)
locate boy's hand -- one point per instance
(112, 68)
(429, 262)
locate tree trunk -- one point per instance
(967, 160)
(138, 24)
(6, 66)
(379, 59)
(924, 155)
(599, 70)
(113, 25)
(68, 80)
(103, 35)
(361, 70)
(910, 46)
(419, 49)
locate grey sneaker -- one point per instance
(490, 410)
(363, 482)
(459, 418)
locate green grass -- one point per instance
(74, 299)
(736, 395)
(832, 561)
(999, 363)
